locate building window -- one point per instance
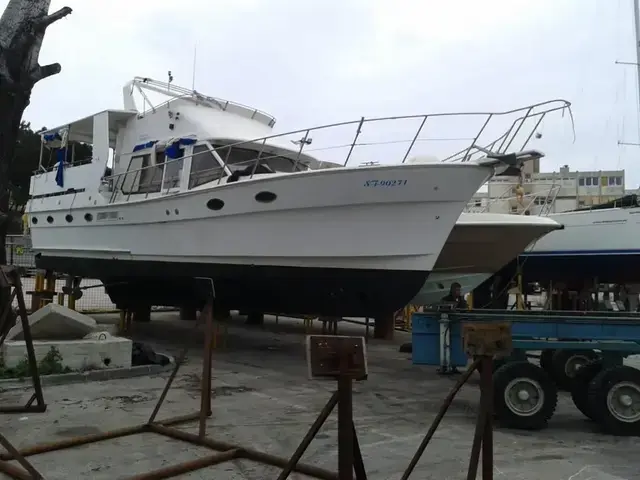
(588, 181)
(619, 181)
(603, 181)
(581, 182)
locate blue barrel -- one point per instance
(425, 337)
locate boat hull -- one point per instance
(438, 284)
(330, 242)
(600, 244)
(300, 290)
(479, 245)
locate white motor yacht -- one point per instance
(203, 193)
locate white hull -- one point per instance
(437, 286)
(479, 245)
(607, 231)
(319, 219)
(595, 244)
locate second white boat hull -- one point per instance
(479, 245)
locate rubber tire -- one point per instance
(546, 361)
(558, 365)
(580, 387)
(506, 417)
(598, 391)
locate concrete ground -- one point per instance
(262, 398)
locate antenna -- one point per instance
(193, 73)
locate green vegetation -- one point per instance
(50, 364)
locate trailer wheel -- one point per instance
(546, 361)
(614, 399)
(580, 387)
(566, 363)
(524, 396)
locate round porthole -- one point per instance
(88, 217)
(49, 219)
(34, 220)
(167, 212)
(215, 204)
(176, 211)
(69, 218)
(265, 197)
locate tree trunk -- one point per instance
(22, 28)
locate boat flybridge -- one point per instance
(202, 192)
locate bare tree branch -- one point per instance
(42, 23)
(44, 71)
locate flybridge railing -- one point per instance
(176, 92)
(394, 138)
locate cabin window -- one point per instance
(172, 169)
(204, 167)
(581, 182)
(241, 158)
(151, 175)
(130, 181)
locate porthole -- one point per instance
(167, 212)
(69, 218)
(265, 197)
(88, 217)
(215, 204)
(176, 211)
(49, 219)
(34, 220)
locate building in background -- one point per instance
(542, 193)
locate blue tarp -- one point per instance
(174, 149)
(61, 155)
(51, 137)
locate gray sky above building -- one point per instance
(314, 62)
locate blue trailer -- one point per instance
(582, 352)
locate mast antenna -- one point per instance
(193, 73)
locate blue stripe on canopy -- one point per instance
(144, 146)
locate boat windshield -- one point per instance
(240, 158)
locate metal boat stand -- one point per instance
(342, 359)
(11, 289)
(226, 451)
(482, 342)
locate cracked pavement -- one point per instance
(263, 398)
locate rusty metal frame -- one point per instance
(483, 434)
(10, 281)
(226, 451)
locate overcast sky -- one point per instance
(312, 62)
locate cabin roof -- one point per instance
(82, 130)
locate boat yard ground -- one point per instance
(263, 398)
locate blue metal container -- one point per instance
(431, 334)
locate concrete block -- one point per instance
(86, 354)
(55, 322)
